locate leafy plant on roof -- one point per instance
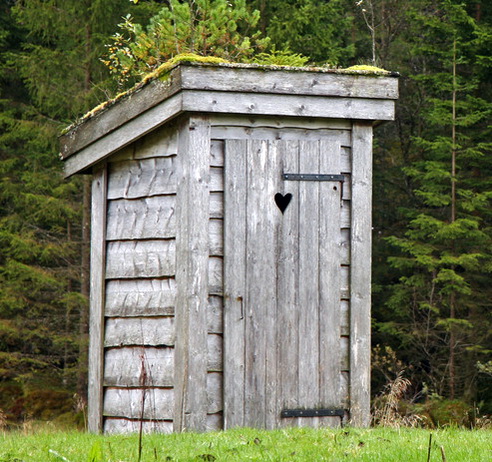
(206, 27)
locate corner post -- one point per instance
(97, 300)
(360, 275)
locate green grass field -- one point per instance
(371, 445)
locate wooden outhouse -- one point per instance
(231, 247)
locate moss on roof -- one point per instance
(162, 73)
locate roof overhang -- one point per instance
(227, 89)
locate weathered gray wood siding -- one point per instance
(251, 403)
(140, 286)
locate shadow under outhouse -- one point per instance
(231, 247)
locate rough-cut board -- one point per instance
(238, 133)
(360, 275)
(287, 105)
(254, 122)
(216, 236)
(214, 349)
(139, 331)
(137, 366)
(97, 296)
(192, 257)
(214, 392)
(142, 178)
(140, 259)
(215, 314)
(136, 403)
(292, 83)
(215, 270)
(186, 77)
(140, 297)
(147, 218)
(121, 426)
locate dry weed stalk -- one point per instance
(3, 421)
(387, 414)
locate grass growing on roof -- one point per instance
(300, 444)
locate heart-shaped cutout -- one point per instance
(283, 201)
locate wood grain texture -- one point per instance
(288, 288)
(109, 120)
(192, 262)
(142, 178)
(140, 297)
(234, 283)
(140, 331)
(309, 289)
(216, 237)
(214, 353)
(216, 205)
(148, 102)
(122, 136)
(141, 259)
(147, 218)
(215, 314)
(330, 255)
(215, 278)
(291, 83)
(138, 366)
(255, 122)
(287, 105)
(217, 153)
(214, 393)
(284, 134)
(139, 403)
(97, 297)
(360, 275)
(116, 426)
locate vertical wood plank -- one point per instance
(192, 204)
(360, 275)
(234, 282)
(261, 279)
(269, 277)
(309, 281)
(329, 273)
(97, 278)
(287, 288)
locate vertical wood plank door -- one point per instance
(282, 265)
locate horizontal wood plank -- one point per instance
(234, 120)
(216, 237)
(214, 392)
(120, 426)
(146, 259)
(138, 366)
(288, 105)
(287, 82)
(216, 205)
(140, 297)
(217, 153)
(139, 332)
(214, 355)
(146, 218)
(215, 314)
(142, 178)
(290, 134)
(215, 278)
(136, 403)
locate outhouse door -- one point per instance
(282, 267)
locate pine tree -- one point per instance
(49, 73)
(440, 306)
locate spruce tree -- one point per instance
(440, 308)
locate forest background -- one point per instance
(432, 238)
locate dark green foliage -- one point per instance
(432, 267)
